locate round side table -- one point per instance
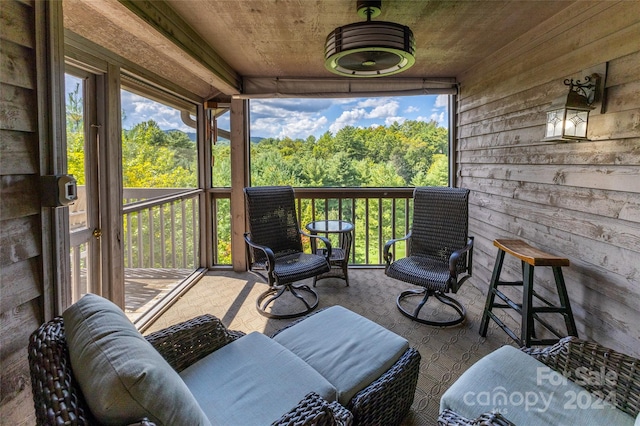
(339, 255)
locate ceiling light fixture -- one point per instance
(369, 49)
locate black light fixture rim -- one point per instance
(407, 61)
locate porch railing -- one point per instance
(378, 214)
(161, 228)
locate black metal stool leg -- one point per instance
(564, 302)
(526, 328)
(495, 277)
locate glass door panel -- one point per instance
(84, 232)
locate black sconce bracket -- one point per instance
(589, 89)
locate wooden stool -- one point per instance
(530, 257)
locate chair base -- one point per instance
(449, 301)
(269, 296)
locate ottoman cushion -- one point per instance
(347, 349)
(252, 381)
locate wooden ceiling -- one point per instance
(285, 38)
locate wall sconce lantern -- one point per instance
(568, 117)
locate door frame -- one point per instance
(103, 126)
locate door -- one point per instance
(82, 163)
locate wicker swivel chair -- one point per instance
(274, 246)
(440, 251)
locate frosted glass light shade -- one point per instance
(567, 119)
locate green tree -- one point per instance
(74, 110)
(437, 175)
(75, 134)
(151, 158)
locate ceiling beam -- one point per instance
(161, 17)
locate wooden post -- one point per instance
(111, 189)
(239, 179)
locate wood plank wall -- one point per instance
(580, 200)
(21, 282)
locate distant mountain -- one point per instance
(253, 139)
(192, 135)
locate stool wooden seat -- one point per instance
(529, 257)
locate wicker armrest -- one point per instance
(604, 372)
(187, 342)
(324, 240)
(455, 256)
(451, 418)
(386, 252)
(313, 410)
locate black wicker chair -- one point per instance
(58, 399)
(440, 251)
(274, 245)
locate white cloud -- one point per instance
(293, 118)
(411, 108)
(265, 126)
(278, 123)
(384, 110)
(347, 118)
(372, 102)
(390, 120)
(138, 109)
(442, 101)
(439, 118)
(303, 127)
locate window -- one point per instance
(220, 148)
(161, 223)
(350, 142)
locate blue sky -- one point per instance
(299, 118)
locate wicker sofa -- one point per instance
(220, 376)
(574, 382)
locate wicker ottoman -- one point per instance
(374, 370)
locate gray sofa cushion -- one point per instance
(527, 392)
(252, 381)
(122, 376)
(346, 348)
